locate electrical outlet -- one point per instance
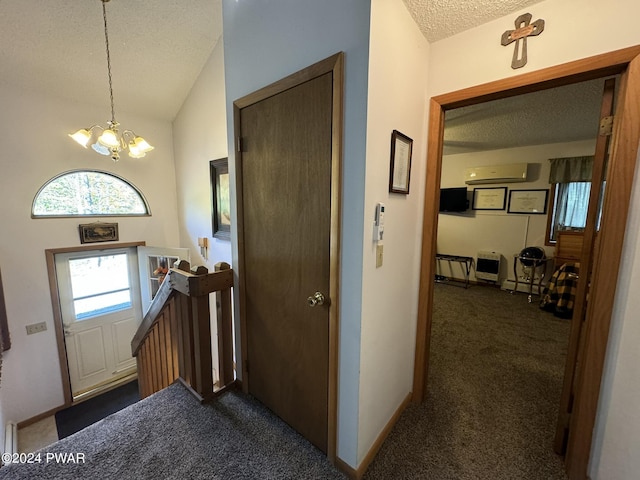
(36, 328)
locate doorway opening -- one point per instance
(508, 377)
(620, 173)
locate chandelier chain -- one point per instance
(110, 141)
(106, 41)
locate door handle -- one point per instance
(316, 299)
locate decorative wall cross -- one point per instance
(524, 29)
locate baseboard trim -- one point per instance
(357, 474)
(40, 416)
(348, 470)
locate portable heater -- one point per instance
(488, 266)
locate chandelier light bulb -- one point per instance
(82, 136)
(135, 153)
(109, 138)
(142, 145)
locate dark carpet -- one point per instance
(170, 435)
(75, 418)
(495, 377)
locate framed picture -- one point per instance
(98, 232)
(531, 202)
(221, 211)
(489, 198)
(5, 339)
(401, 146)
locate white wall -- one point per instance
(506, 233)
(200, 135)
(476, 57)
(35, 149)
(265, 41)
(398, 59)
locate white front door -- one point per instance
(101, 311)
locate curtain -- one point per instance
(571, 169)
(572, 204)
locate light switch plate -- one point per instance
(379, 255)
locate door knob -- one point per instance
(316, 299)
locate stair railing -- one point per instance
(173, 342)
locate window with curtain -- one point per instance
(571, 178)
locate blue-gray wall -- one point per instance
(266, 40)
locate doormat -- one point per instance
(75, 418)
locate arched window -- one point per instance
(88, 193)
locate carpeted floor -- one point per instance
(496, 369)
(75, 418)
(171, 436)
(495, 378)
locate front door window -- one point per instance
(100, 285)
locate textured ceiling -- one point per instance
(440, 19)
(158, 48)
(561, 114)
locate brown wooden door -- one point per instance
(587, 259)
(286, 202)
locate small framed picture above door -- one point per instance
(221, 204)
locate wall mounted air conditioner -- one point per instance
(513, 172)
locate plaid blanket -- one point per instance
(560, 293)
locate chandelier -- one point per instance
(110, 141)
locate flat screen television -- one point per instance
(454, 199)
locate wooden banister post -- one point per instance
(225, 330)
(202, 346)
(173, 342)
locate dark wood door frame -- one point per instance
(50, 255)
(607, 262)
(334, 65)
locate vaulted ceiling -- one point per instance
(158, 49)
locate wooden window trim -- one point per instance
(552, 208)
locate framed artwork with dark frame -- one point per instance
(531, 202)
(5, 339)
(400, 173)
(98, 232)
(221, 211)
